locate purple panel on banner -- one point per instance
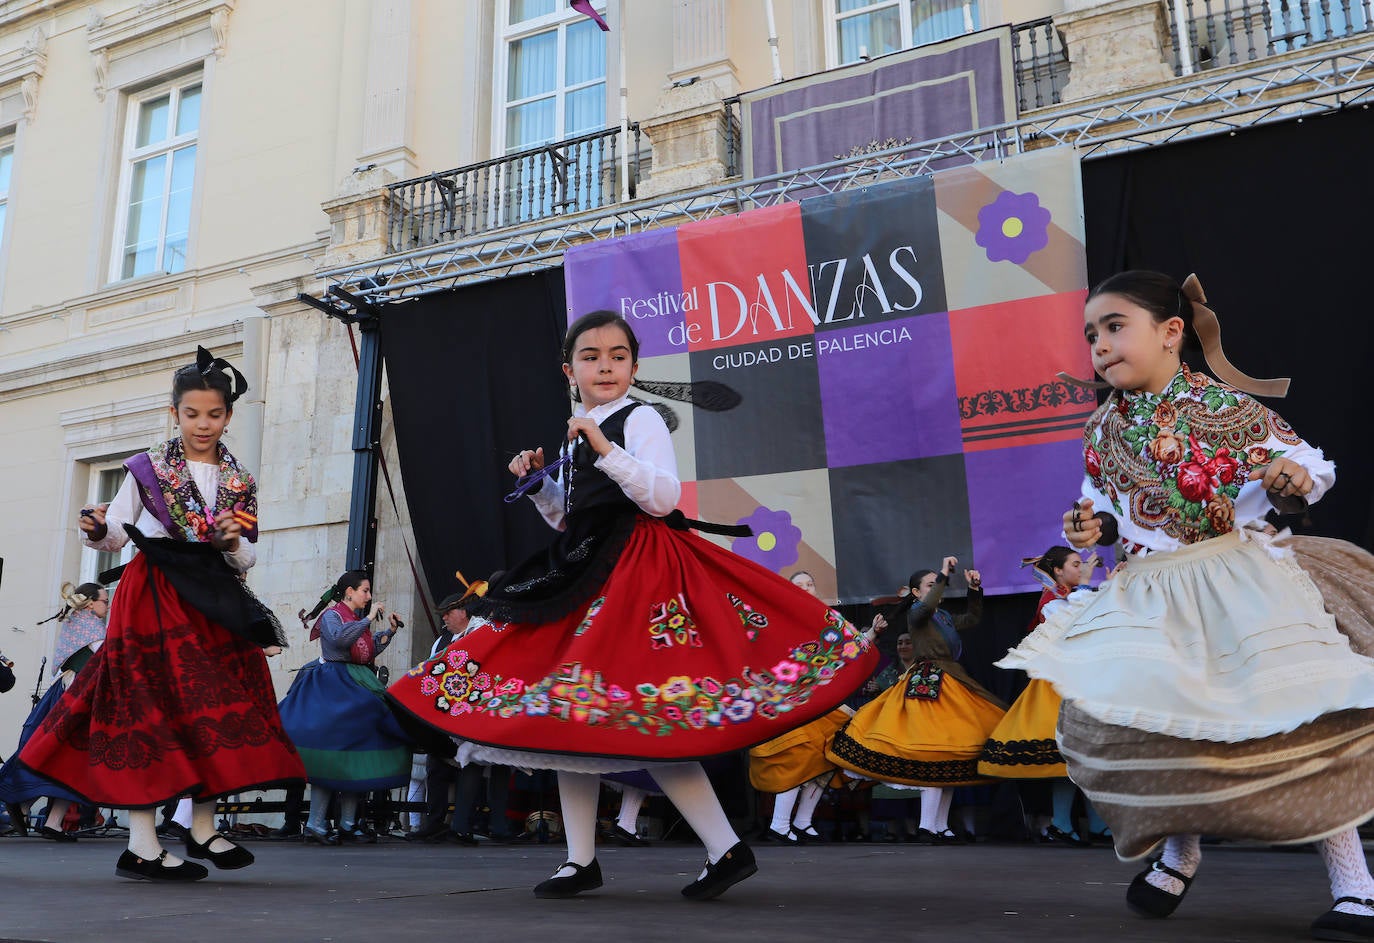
(639, 278)
(920, 94)
(888, 391)
(1022, 491)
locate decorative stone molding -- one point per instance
(687, 132)
(359, 218)
(199, 28)
(701, 47)
(23, 68)
(103, 428)
(1115, 46)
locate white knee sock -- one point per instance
(348, 810)
(688, 788)
(783, 804)
(577, 794)
(935, 805)
(631, 801)
(1343, 856)
(183, 814)
(1183, 853)
(143, 837)
(57, 811)
(202, 815)
(811, 793)
(319, 808)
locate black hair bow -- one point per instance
(207, 363)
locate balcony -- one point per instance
(1221, 33)
(562, 178)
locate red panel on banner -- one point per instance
(747, 278)
(1005, 359)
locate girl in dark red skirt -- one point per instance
(178, 700)
(631, 643)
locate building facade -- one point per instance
(175, 173)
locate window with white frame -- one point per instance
(158, 179)
(6, 167)
(105, 479)
(551, 73)
(865, 29)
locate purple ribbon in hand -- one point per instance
(525, 485)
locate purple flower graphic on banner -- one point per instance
(775, 542)
(1013, 227)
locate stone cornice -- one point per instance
(148, 18)
(26, 66)
(157, 285)
(160, 355)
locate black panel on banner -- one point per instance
(475, 376)
(1274, 225)
(876, 535)
(779, 431)
(874, 253)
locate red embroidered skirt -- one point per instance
(685, 651)
(171, 705)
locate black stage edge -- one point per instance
(1275, 221)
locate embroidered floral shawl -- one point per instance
(168, 491)
(1176, 461)
(78, 630)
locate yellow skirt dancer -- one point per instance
(1022, 746)
(928, 729)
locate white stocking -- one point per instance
(57, 811)
(783, 804)
(348, 810)
(631, 801)
(182, 815)
(203, 825)
(143, 837)
(935, 805)
(577, 795)
(1183, 853)
(687, 787)
(1343, 856)
(811, 793)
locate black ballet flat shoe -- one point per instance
(1147, 900)
(788, 837)
(358, 834)
(809, 836)
(432, 832)
(462, 838)
(1057, 836)
(56, 834)
(734, 866)
(1334, 925)
(236, 857)
(585, 877)
(627, 838)
(316, 837)
(134, 868)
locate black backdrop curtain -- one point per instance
(1275, 221)
(474, 376)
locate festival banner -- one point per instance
(894, 348)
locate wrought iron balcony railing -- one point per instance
(581, 173)
(1040, 62)
(1221, 33)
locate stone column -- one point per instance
(701, 44)
(389, 95)
(1115, 46)
(358, 218)
(687, 132)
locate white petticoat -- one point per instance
(1223, 640)
(469, 752)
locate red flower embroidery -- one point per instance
(1195, 482)
(1092, 462)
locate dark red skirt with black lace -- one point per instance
(172, 704)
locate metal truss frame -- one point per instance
(1210, 103)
